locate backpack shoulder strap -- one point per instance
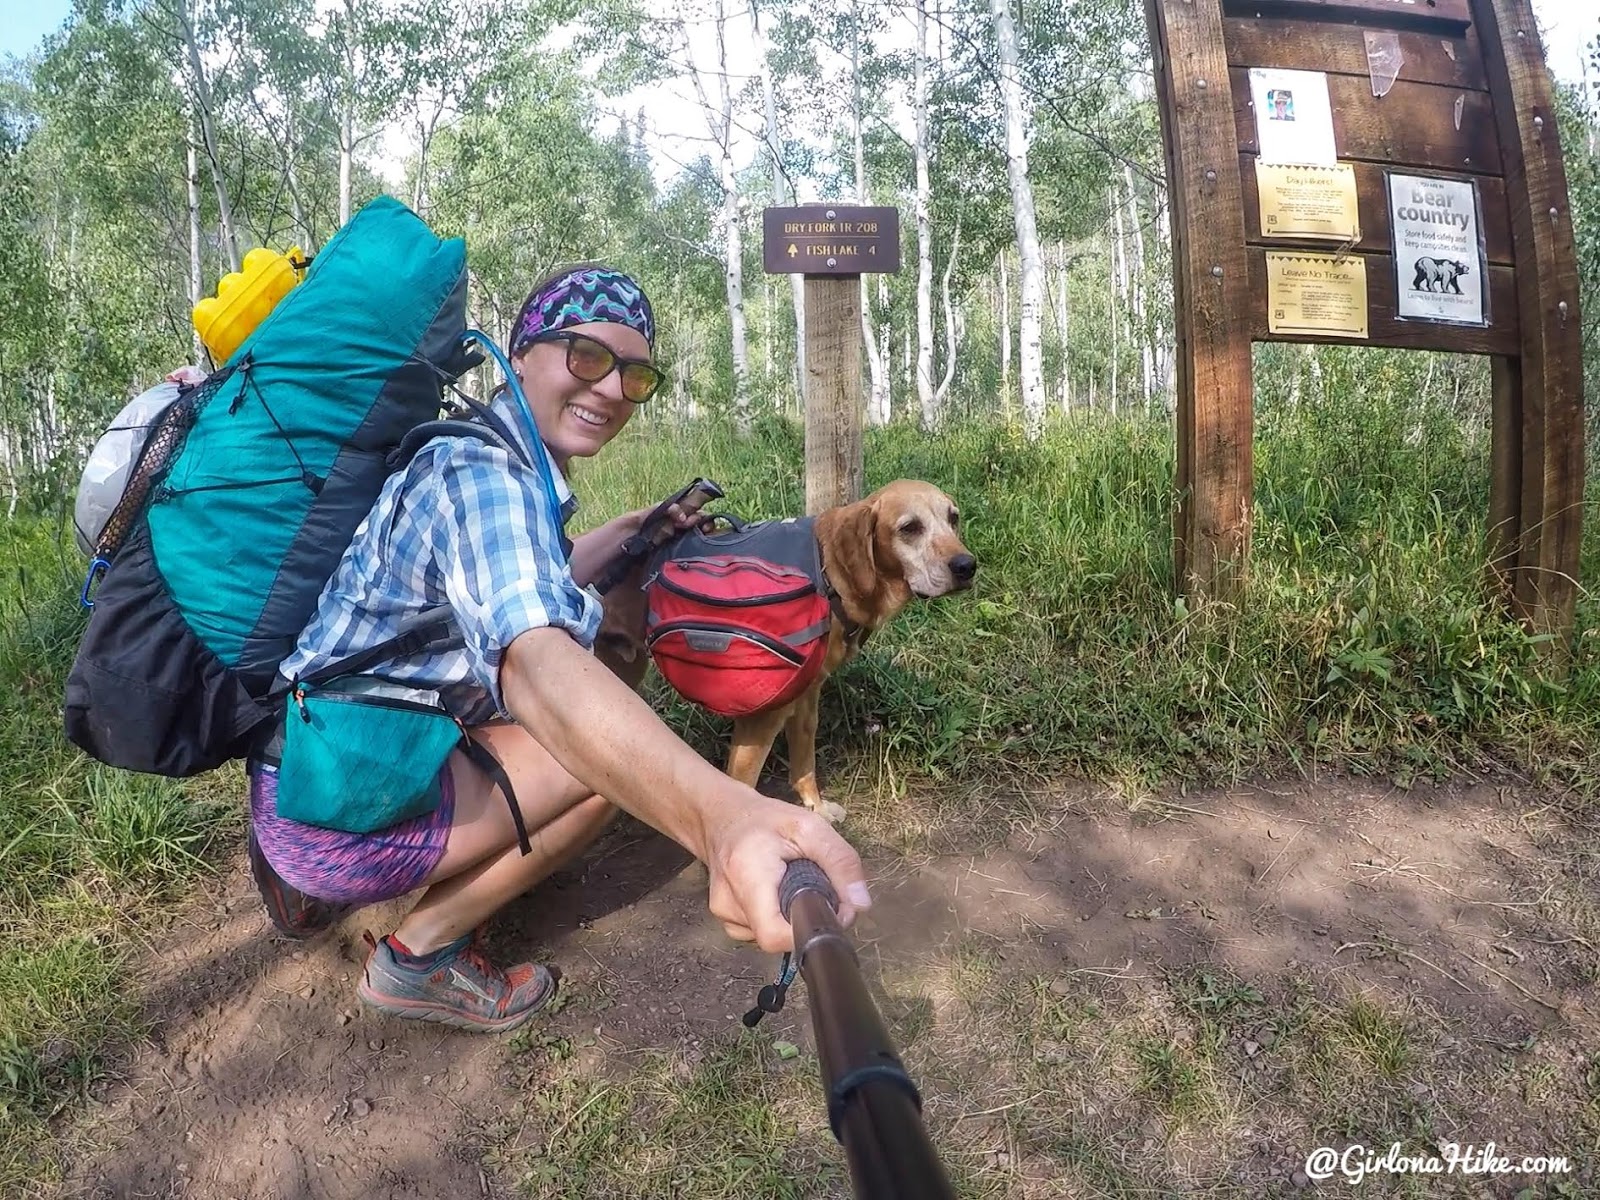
(492, 432)
(492, 419)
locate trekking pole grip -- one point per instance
(804, 875)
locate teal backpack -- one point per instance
(248, 490)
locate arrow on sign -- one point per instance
(792, 250)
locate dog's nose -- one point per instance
(964, 567)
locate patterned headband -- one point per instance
(580, 297)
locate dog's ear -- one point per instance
(849, 536)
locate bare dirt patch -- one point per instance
(1175, 996)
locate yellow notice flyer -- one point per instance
(1316, 295)
(1308, 202)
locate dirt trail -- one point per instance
(264, 1078)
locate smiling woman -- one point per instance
(479, 525)
(582, 348)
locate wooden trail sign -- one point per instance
(1384, 173)
(829, 239)
(832, 245)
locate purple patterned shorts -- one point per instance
(350, 868)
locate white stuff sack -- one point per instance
(105, 475)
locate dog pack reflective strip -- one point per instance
(703, 635)
(809, 634)
(779, 545)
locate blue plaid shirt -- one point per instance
(464, 524)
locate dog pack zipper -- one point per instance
(797, 593)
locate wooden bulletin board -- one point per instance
(1451, 93)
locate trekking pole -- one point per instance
(874, 1108)
(656, 530)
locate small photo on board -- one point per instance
(1293, 117)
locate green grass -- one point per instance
(1194, 1082)
(741, 1122)
(1363, 641)
(88, 856)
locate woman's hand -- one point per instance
(596, 550)
(750, 839)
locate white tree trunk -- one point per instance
(347, 149)
(927, 397)
(780, 191)
(1116, 295)
(735, 282)
(1032, 269)
(14, 493)
(1004, 309)
(1166, 351)
(733, 266)
(1063, 312)
(952, 327)
(202, 106)
(192, 178)
(884, 330)
(905, 356)
(347, 113)
(50, 424)
(1141, 313)
(877, 366)
(735, 279)
(766, 342)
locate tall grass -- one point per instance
(86, 856)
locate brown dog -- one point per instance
(880, 553)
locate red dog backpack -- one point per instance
(738, 620)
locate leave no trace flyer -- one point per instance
(1319, 295)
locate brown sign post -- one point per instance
(832, 245)
(1383, 173)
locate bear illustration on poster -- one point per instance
(1439, 275)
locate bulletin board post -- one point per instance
(1379, 173)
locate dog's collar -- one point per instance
(855, 633)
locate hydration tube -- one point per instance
(514, 385)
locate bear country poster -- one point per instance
(1440, 270)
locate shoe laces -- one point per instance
(473, 954)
